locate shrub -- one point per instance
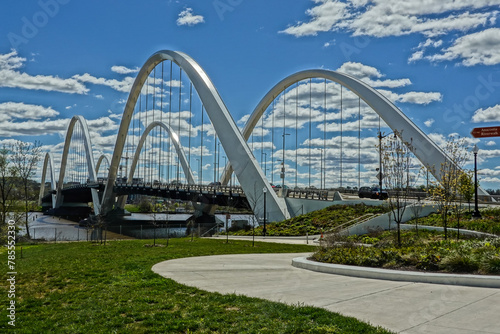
(458, 262)
(490, 264)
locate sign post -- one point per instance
(490, 131)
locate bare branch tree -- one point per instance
(25, 158)
(397, 160)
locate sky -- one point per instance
(438, 61)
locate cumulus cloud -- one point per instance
(186, 17)
(124, 70)
(433, 19)
(10, 76)
(428, 123)
(381, 18)
(120, 85)
(16, 110)
(324, 17)
(366, 73)
(478, 48)
(491, 114)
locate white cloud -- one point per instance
(428, 123)
(124, 70)
(381, 18)
(10, 76)
(324, 17)
(186, 17)
(478, 48)
(491, 143)
(11, 61)
(491, 114)
(14, 110)
(122, 86)
(412, 97)
(33, 128)
(366, 73)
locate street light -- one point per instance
(476, 214)
(264, 190)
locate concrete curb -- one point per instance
(396, 275)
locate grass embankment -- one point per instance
(489, 223)
(317, 221)
(87, 288)
(427, 251)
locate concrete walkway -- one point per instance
(398, 306)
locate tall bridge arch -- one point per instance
(239, 155)
(431, 155)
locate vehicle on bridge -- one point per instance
(373, 193)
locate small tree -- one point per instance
(466, 186)
(445, 193)
(25, 158)
(397, 161)
(7, 185)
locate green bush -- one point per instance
(428, 252)
(460, 263)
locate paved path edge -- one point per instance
(483, 281)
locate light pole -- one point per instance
(264, 190)
(476, 214)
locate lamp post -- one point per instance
(264, 190)
(476, 214)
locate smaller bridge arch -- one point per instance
(89, 158)
(48, 164)
(178, 148)
(102, 158)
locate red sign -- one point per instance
(491, 131)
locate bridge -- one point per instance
(315, 131)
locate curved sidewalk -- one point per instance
(399, 306)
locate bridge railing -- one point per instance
(218, 189)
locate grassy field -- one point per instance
(92, 288)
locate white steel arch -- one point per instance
(90, 162)
(178, 148)
(102, 158)
(48, 162)
(245, 166)
(431, 155)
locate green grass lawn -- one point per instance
(92, 288)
